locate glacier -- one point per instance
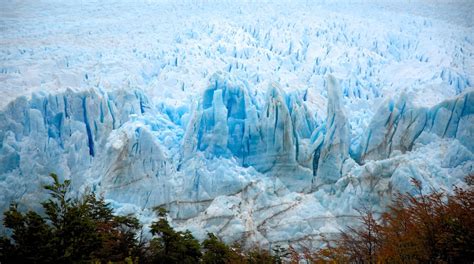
(269, 123)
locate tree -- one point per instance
(260, 256)
(31, 236)
(279, 254)
(216, 252)
(416, 228)
(169, 246)
(72, 230)
(364, 241)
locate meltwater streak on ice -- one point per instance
(234, 125)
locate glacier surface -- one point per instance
(263, 122)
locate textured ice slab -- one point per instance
(229, 122)
(62, 133)
(397, 126)
(334, 151)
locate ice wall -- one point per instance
(65, 133)
(397, 126)
(335, 148)
(273, 137)
(260, 170)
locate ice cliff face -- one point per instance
(272, 131)
(335, 148)
(258, 161)
(398, 125)
(229, 123)
(65, 131)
